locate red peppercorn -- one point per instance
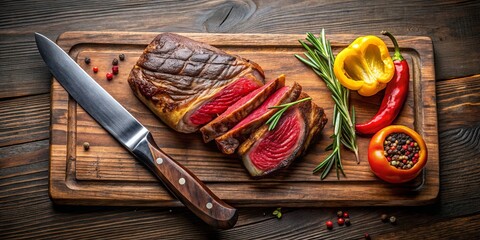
(115, 70)
(367, 236)
(340, 221)
(95, 69)
(416, 155)
(329, 224)
(404, 147)
(346, 215)
(109, 76)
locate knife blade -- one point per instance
(112, 116)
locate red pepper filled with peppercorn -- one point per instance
(397, 154)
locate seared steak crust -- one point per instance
(176, 75)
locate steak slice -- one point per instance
(228, 142)
(223, 100)
(240, 109)
(177, 76)
(264, 152)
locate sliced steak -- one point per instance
(265, 151)
(177, 76)
(228, 142)
(219, 103)
(240, 109)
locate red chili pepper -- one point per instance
(395, 95)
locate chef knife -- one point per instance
(134, 136)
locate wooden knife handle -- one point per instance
(190, 190)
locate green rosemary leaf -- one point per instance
(309, 63)
(327, 169)
(353, 115)
(329, 147)
(275, 118)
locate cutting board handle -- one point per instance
(190, 190)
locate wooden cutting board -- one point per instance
(107, 174)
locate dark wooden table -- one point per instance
(26, 210)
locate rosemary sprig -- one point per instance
(273, 120)
(320, 58)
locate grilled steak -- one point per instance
(240, 110)
(228, 142)
(188, 83)
(265, 151)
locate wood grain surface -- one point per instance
(77, 176)
(27, 212)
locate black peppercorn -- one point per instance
(339, 214)
(115, 62)
(347, 222)
(384, 217)
(121, 57)
(87, 60)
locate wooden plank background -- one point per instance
(26, 210)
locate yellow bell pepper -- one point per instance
(365, 65)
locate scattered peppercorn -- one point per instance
(115, 70)
(329, 224)
(86, 146)
(87, 60)
(384, 218)
(339, 214)
(340, 221)
(121, 57)
(347, 222)
(109, 76)
(95, 69)
(345, 215)
(367, 236)
(393, 220)
(115, 62)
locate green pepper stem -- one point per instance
(396, 55)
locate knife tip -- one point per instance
(37, 35)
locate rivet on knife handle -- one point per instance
(190, 190)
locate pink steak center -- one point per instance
(271, 101)
(278, 144)
(222, 100)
